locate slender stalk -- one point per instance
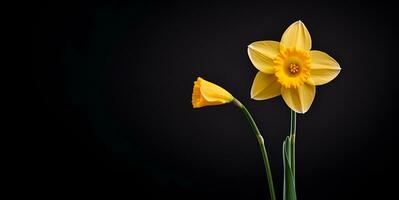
(262, 147)
(293, 136)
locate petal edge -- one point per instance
(262, 53)
(323, 67)
(299, 99)
(297, 36)
(265, 86)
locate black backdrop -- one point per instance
(110, 100)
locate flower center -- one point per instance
(292, 67)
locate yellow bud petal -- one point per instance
(206, 93)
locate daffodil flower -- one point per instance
(206, 93)
(290, 68)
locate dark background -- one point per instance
(110, 100)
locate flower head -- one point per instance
(290, 68)
(206, 93)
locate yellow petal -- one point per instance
(299, 99)
(297, 36)
(323, 68)
(206, 93)
(262, 53)
(265, 86)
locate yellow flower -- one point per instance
(290, 68)
(206, 93)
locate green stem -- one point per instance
(293, 136)
(262, 147)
